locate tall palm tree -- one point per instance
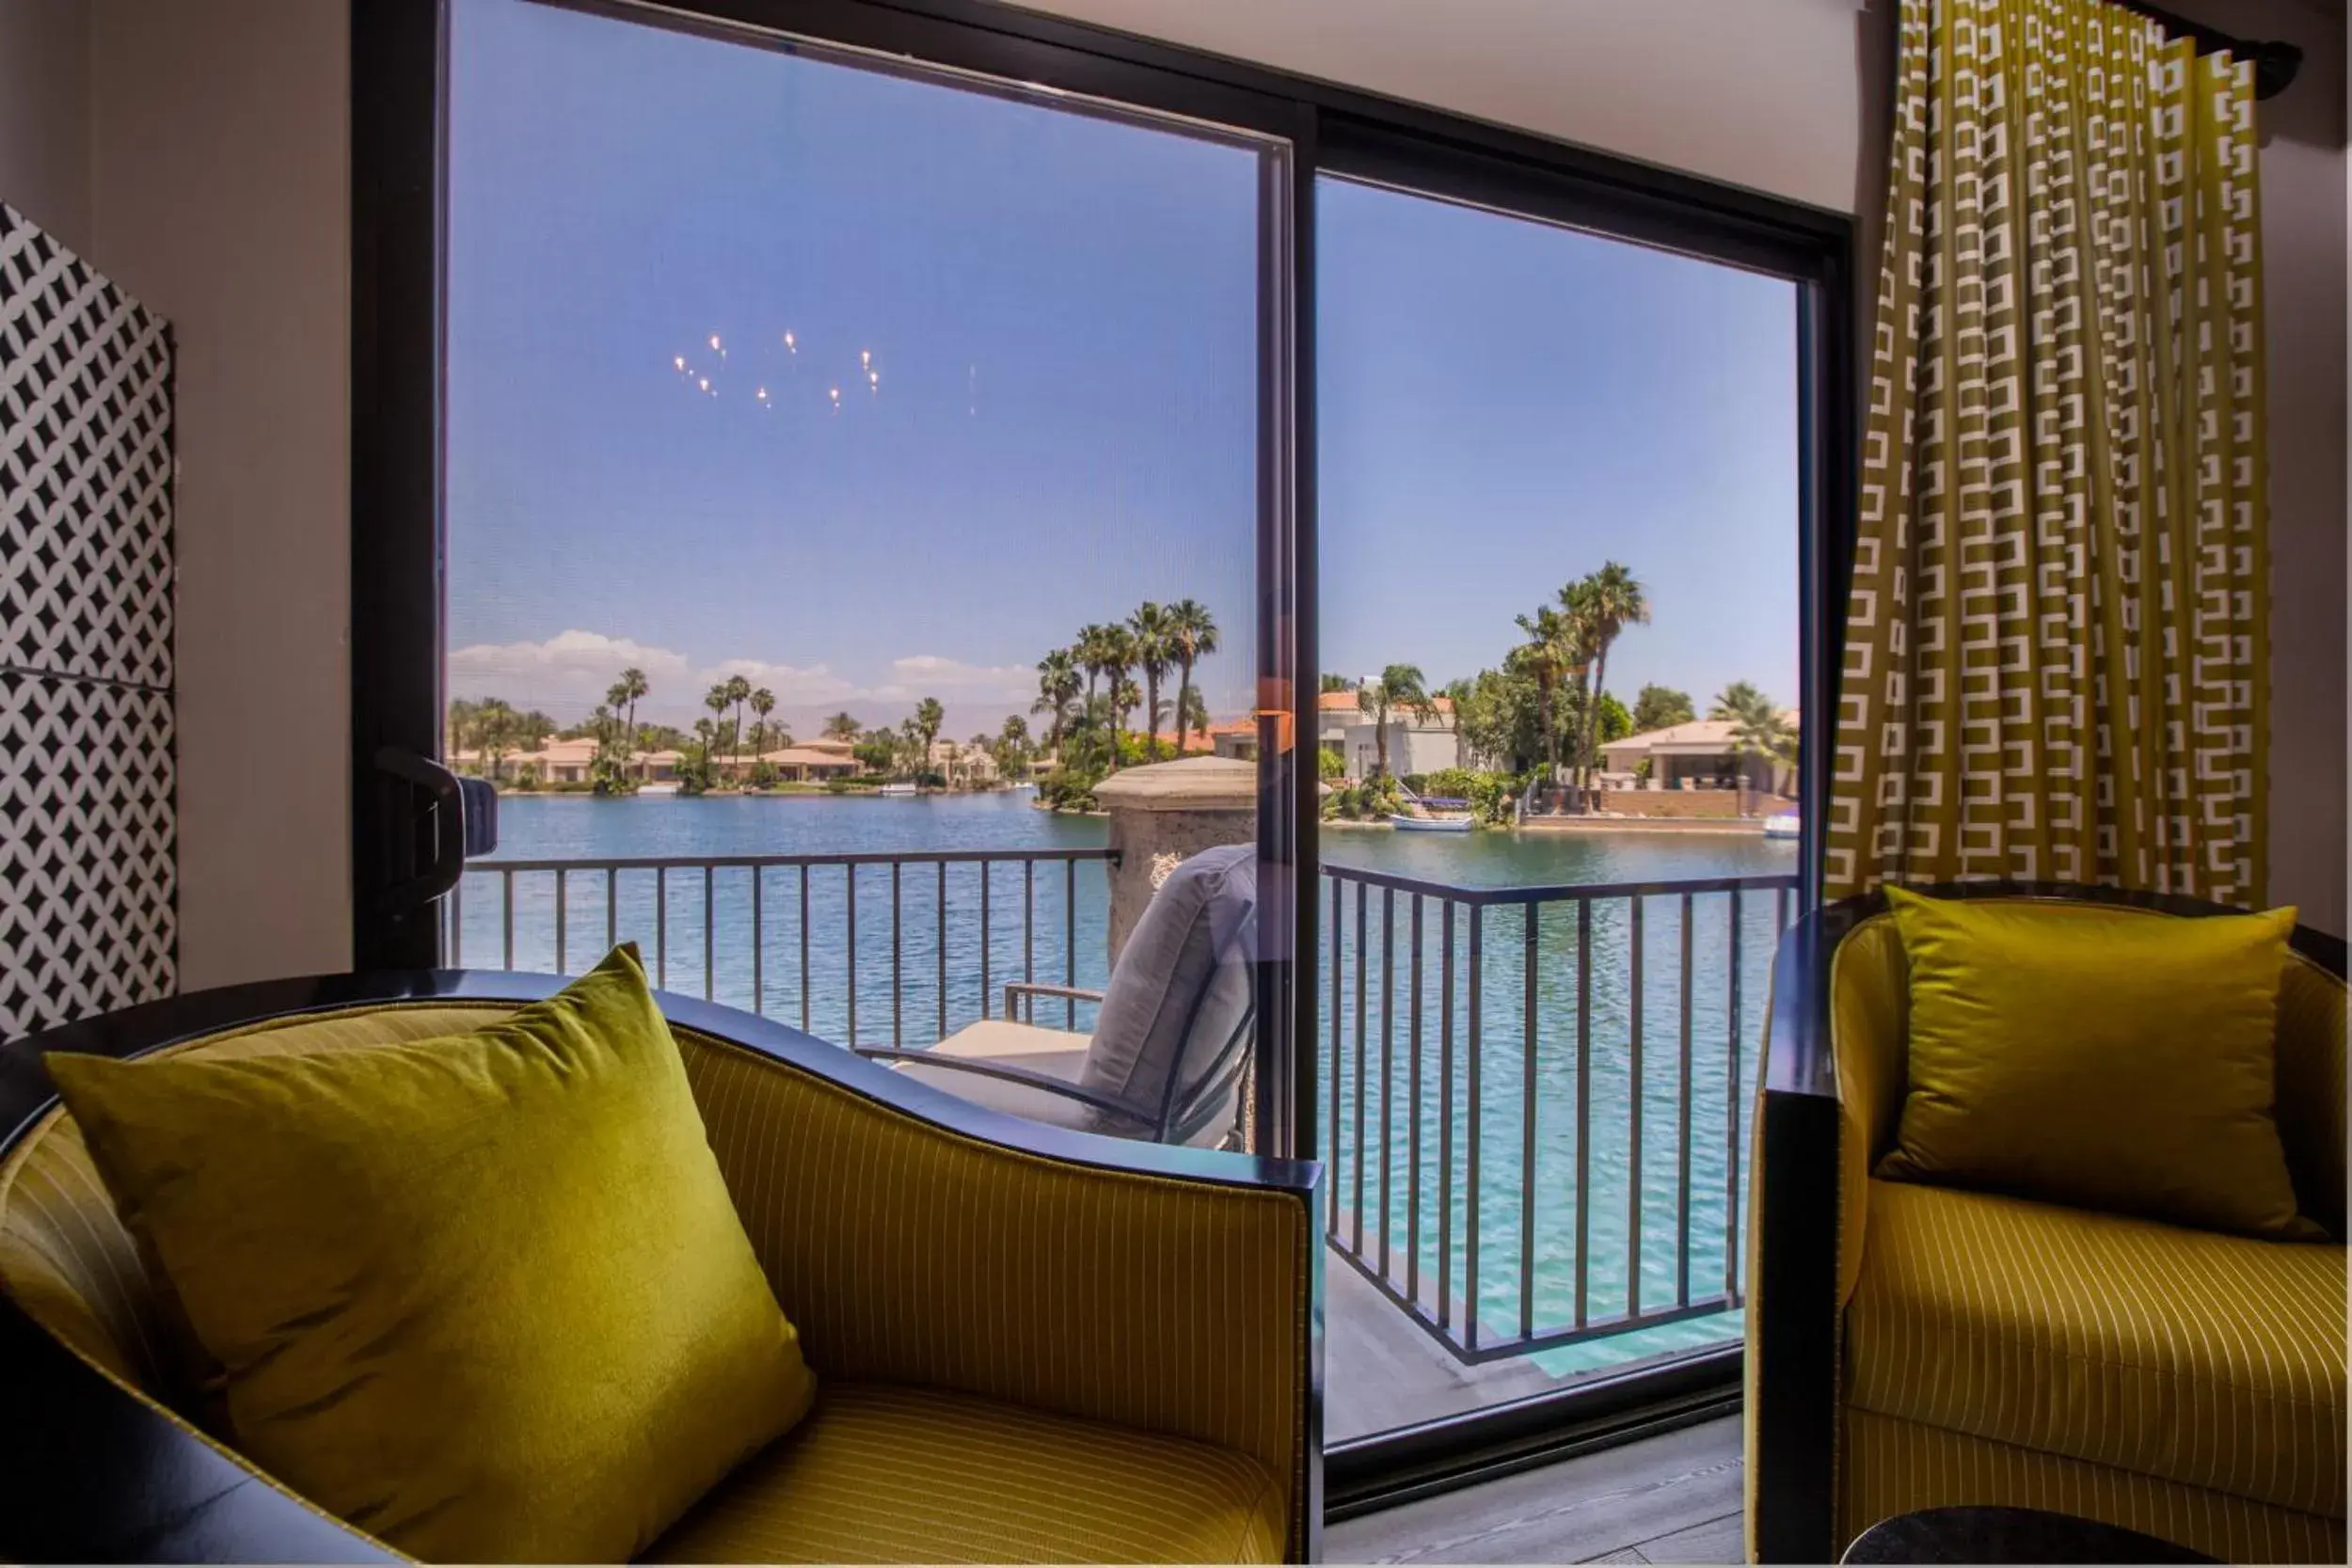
(763, 703)
(629, 689)
(1092, 650)
(1125, 694)
(739, 692)
(1611, 600)
(718, 699)
(929, 715)
(842, 726)
(1402, 687)
(1148, 627)
(1192, 636)
(1549, 653)
(1059, 684)
(1118, 657)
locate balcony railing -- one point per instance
(1534, 1094)
(1557, 1241)
(787, 933)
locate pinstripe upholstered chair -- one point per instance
(1912, 1346)
(1032, 1344)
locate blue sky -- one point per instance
(1060, 312)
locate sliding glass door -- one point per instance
(804, 450)
(1560, 657)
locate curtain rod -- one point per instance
(2274, 62)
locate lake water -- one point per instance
(910, 969)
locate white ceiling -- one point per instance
(1763, 93)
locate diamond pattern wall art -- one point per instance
(88, 903)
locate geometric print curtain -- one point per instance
(2057, 643)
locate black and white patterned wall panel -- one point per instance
(88, 901)
(88, 864)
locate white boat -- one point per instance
(896, 789)
(1429, 824)
(665, 787)
(1786, 825)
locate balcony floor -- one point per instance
(1381, 1369)
(1671, 1499)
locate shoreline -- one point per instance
(1643, 825)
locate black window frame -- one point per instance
(398, 133)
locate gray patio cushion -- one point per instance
(1182, 986)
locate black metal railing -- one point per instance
(787, 933)
(1556, 1242)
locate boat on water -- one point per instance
(1786, 825)
(896, 789)
(665, 787)
(1429, 824)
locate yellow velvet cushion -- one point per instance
(2098, 1056)
(482, 1296)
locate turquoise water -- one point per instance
(897, 996)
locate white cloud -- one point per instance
(794, 687)
(563, 675)
(567, 674)
(921, 676)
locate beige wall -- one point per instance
(44, 115)
(217, 158)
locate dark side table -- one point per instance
(2007, 1535)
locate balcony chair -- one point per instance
(1106, 1351)
(2186, 1384)
(1166, 1060)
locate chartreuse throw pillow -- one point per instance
(2097, 1056)
(482, 1296)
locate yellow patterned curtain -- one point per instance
(2058, 647)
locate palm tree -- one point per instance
(494, 730)
(1092, 650)
(1401, 686)
(842, 726)
(763, 703)
(1124, 696)
(631, 687)
(1191, 637)
(1192, 715)
(1118, 657)
(1149, 630)
(1057, 686)
(927, 718)
(739, 692)
(1549, 653)
(1610, 601)
(1759, 728)
(717, 700)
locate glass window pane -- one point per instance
(1559, 611)
(802, 415)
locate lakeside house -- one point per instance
(1700, 754)
(811, 762)
(1417, 744)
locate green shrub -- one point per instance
(1329, 765)
(1070, 789)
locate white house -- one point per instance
(1416, 744)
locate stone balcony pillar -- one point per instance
(1164, 813)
